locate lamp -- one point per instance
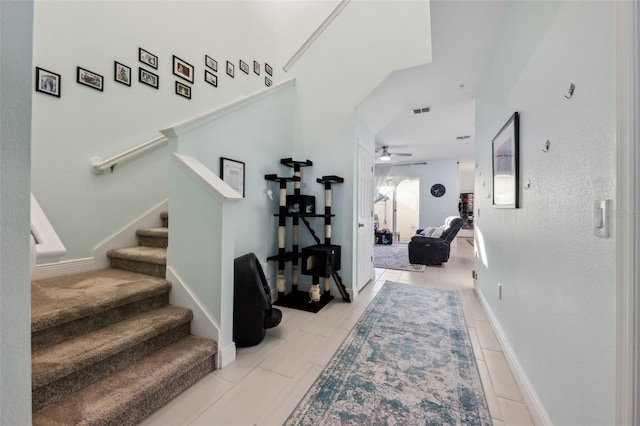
(385, 157)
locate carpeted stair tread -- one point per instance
(153, 232)
(155, 255)
(73, 355)
(153, 237)
(59, 300)
(147, 381)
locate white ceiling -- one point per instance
(463, 33)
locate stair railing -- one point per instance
(98, 165)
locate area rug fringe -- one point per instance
(408, 361)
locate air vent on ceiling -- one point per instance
(462, 138)
(420, 110)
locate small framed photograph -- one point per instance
(244, 67)
(268, 69)
(256, 67)
(91, 79)
(148, 78)
(211, 63)
(211, 78)
(147, 58)
(183, 90)
(230, 69)
(47, 82)
(182, 69)
(122, 73)
(268, 82)
(505, 147)
(232, 172)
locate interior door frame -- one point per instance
(626, 215)
(356, 286)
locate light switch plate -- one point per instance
(601, 218)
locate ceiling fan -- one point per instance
(385, 155)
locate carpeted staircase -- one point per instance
(107, 347)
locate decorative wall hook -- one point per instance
(571, 89)
(528, 184)
(547, 146)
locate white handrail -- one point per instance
(98, 165)
(316, 34)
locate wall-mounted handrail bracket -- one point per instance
(571, 89)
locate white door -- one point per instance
(365, 217)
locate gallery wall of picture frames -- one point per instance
(50, 83)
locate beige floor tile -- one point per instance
(190, 403)
(350, 320)
(288, 399)
(248, 358)
(328, 319)
(497, 422)
(486, 336)
(245, 402)
(292, 321)
(290, 357)
(489, 392)
(503, 381)
(475, 343)
(515, 413)
(329, 347)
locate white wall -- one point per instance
(16, 26)
(258, 135)
(86, 209)
(351, 57)
(558, 279)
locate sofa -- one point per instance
(252, 310)
(431, 246)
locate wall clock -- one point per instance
(438, 190)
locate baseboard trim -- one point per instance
(64, 267)
(226, 355)
(536, 409)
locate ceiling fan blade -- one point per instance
(401, 154)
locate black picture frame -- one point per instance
(148, 78)
(244, 67)
(230, 69)
(90, 79)
(211, 63)
(256, 67)
(182, 69)
(232, 172)
(211, 78)
(148, 58)
(121, 73)
(268, 69)
(183, 90)
(268, 82)
(48, 82)
(505, 148)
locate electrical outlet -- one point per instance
(474, 275)
(499, 291)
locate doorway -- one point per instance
(398, 210)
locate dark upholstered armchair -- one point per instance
(252, 310)
(434, 250)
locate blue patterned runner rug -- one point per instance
(408, 361)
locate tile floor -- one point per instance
(266, 382)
